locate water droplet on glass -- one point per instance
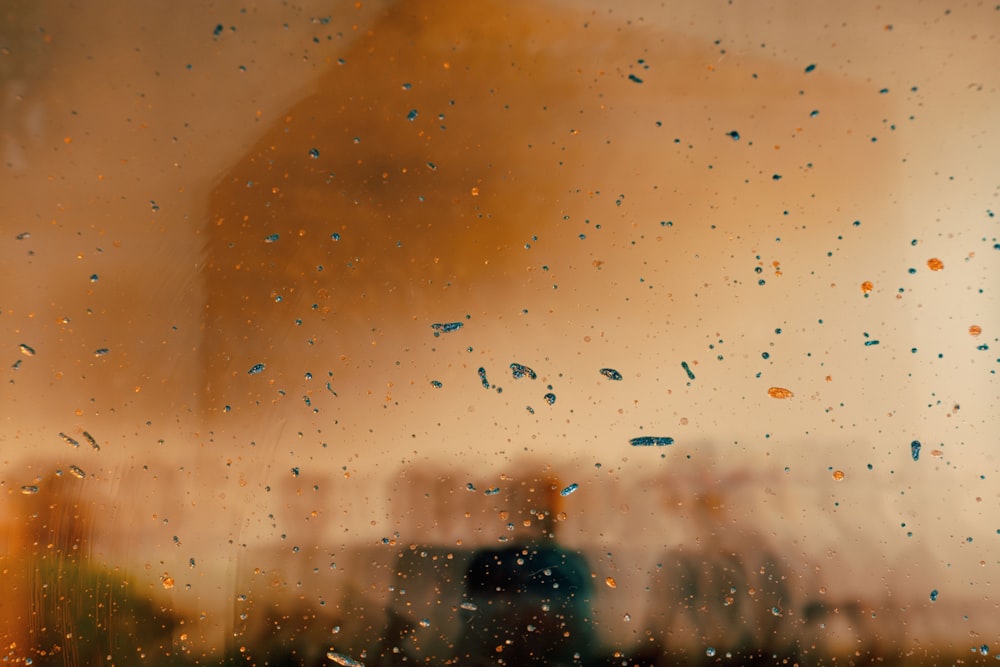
(935, 264)
(446, 327)
(687, 369)
(651, 441)
(90, 439)
(838, 475)
(610, 582)
(256, 368)
(519, 371)
(550, 398)
(77, 472)
(469, 606)
(569, 489)
(934, 595)
(343, 659)
(611, 374)
(779, 392)
(915, 450)
(27, 350)
(29, 489)
(710, 652)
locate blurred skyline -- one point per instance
(230, 233)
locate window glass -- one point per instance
(564, 333)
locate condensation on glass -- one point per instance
(499, 333)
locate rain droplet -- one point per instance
(687, 370)
(651, 441)
(29, 489)
(519, 371)
(779, 392)
(469, 606)
(256, 368)
(915, 450)
(77, 472)
(934, 595)
(611, 374)
(569, 489)
(492, 491)
(610, 582)
(68, 440)
(935, 264)
(550, 398)
(343, 660)
(27, 350)
(838, 475)
(100, 352)
(90, 439)
(446, 327)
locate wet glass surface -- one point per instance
(499, 333)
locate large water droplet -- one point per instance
(344, 660)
